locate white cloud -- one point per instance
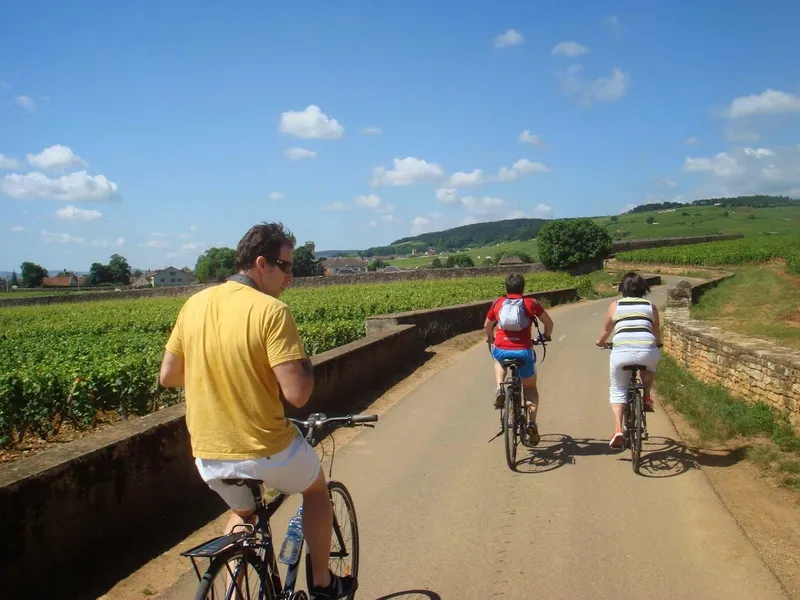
(521, 167)
(6, 162)
(510, 38)
(311, 123)
(569, 49)
(25, 103)
(613, 24)
(193, 246)
(61, 238)
(336, 206)
(745, 171)
(156, 244)
(446, 195)
(390, 218)
(120, 242)
(371, 131)
(193, 228)
(768, 102)
(370, 201)
(419, 225)
(299, 153)
(692, 141)
(460, 179)
(628, 207)
(158, 234)
(274, 196)
(665, 181)
(527, 137)
(70, 213)
(516, 214)
(485, 205)
(55, 157)
(16, 229)
(759, 152)
(75, 186)
(542, 211)
(602, 89)
(407, 171)
(372, 223)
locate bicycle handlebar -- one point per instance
(317, 420)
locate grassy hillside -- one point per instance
(477, 254)
(704, 220)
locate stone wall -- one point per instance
(751, 369)
(626, 245)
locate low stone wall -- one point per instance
(171, 291)
(752, 369)
(438, 324)
(626, 245)
(63, 505)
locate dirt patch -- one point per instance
(164, 570)
(767, 514)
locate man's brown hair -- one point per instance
(264, 239)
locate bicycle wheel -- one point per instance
(344, 543)
(637, 414)
(510, 427)
(235, 575)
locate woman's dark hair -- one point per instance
(264, 239)
(515, 284)
(633, 285)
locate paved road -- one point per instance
(440, 512)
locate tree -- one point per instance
(14, 279)
(137, 273)
(32, 274)
(99, 273)
(305, 265)
(564, 244)
(119, 271)
(614, 218)
(215, 264)
(377, 264)
(751, 216)
(487, 262)
(650, 220)
(436, 263)
(459, 260)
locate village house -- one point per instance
(345, 265)
(65, 279)
(171, 276)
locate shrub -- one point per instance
(564, 244)
(650, 220)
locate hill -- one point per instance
(465, 236)
(740, 201)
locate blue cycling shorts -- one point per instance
(528, 358)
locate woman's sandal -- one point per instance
(614, 438)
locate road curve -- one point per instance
(442, 516)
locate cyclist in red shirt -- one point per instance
(514, 317)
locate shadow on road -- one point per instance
(664, 457)
(412, 595)
(556, 450)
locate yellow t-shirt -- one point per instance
(231, 336)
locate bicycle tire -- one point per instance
(636, 441)
(338, 489)
(510, 429)
(205, 589)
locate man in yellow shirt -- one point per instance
(234, 348)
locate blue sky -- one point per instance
(159, 129)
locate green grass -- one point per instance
(478, 254)
(705, 220)
(719, 417)
(761, 302)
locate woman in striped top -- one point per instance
(634, 323)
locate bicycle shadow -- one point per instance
(555, 450)
(412, 595)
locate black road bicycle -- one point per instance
(514, 414)
(634, 419)
(243, 564)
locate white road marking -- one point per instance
(595, 314)
(562, 338)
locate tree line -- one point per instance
(117, 271)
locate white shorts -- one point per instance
(648, 357)
(291, 471)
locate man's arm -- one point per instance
(548, 323)
(656, 325)
(172, 372)
(488, 328)
(296, 378)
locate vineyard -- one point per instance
(69, 363)
(749, 250)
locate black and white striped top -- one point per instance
(633, 324)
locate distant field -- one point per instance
(704, 220)
(477, 254)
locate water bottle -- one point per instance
(290, 551)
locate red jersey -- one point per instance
(515, 340)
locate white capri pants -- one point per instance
(648, 357)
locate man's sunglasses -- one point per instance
(284, 265)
